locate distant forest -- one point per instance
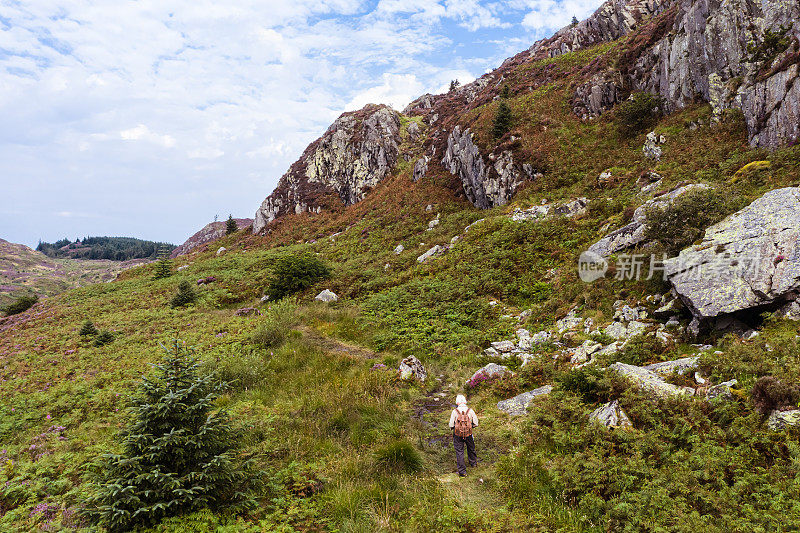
(114, 248)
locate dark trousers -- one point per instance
(458, 444)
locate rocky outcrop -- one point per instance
(353, 156)
(411, 368)
(210, 232)
(749, 260)
(571, 209)
(779, 420)
(484, 185)
(611, 21)
(690, 49)
(611, 415)
(597, 95)
(518, 405)
(633, 233)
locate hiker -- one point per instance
(462, 420)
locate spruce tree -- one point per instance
(163, 266)
(574, 21)
(502, 120)
(177, 453)
(184, 296)
(230, 225)
(87, 328)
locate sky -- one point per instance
(149, 118)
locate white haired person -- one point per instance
(462, 420)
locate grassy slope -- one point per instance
(316, 411)
(23, 270)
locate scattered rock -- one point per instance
(651, 148)
(221, 250)
(248, 311)
(571, 209)
(411, 368)
(541, 337)
(584, 352)
(524, 341)
(491, 371)
(182, 267)
(611, 415)
(570, 321)
(518, 405)
(678, 366)
(721, 391)
(790, 311)
(206, 280)
(265, 298)
(327, 296)
(433, 223)
(616, 330)
(779, 420)
(649, 381)
(399, 249)
(434, 251)
(503, 346)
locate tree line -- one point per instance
(113, 248)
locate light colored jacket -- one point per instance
(463, 409)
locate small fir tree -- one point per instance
(163, 266)
(103, 338)
(230, 225)
(574, 21)
(177, 453)
(87, 328)
(454, 84)
(184, 296)
(502, 120)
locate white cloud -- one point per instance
(118, 99)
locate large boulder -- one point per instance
(632, 234)
(490, 371)
(611, 415)
(749, 260)
(779, 420)
(518, 405)
(678, 366)
(649, 381)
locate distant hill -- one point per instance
(23, 270)
(210, 232)
(111, 248)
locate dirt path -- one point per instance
(329, 344)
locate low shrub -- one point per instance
(184, 296)
(21, 304)
(638, 112)
(770, 393)
(589, 383)
(296, 273)
(639, 351)
(684, 221)
(399, 455)
(276, 322)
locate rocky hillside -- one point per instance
(619, 300)
(209, 233)
(736, 55)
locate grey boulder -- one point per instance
(611, 415)
(518, 405)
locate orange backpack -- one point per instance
(463, 426)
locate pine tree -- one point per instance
(184, 296)
(163, 266)
(87, 328)
(574, 21)
(230, 225)
(454, 84)
(177, 453)
(502, 120)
